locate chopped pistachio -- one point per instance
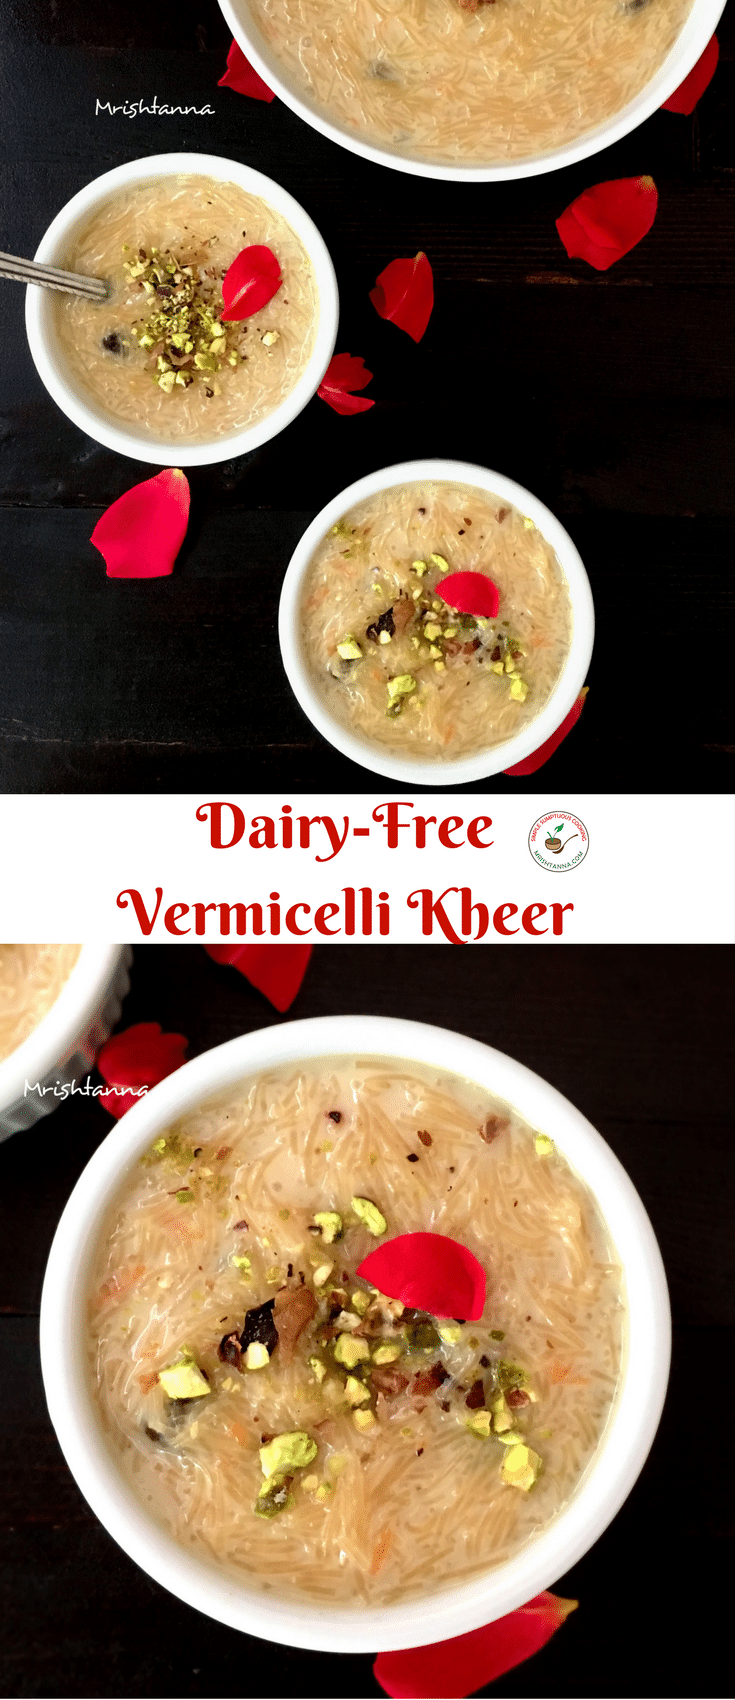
(529, 525)
(184, 1380)
(342, 529)
(497, 667)
(450, 631)
(357, 1392)
(500, 1412)
(509, 1437)
(432, 630)
(256, 1355)
(419, 567)
(348, 1321)
(510, 1375)
(240, 1262)
(310, 1484)
(518, 688)
(329, 1223)
(422, 1336)
(520, 1467)
(415, 595)
(401, 686)
(274, 1275)
(324, 1491)
(270, 338)
(368, 1212)
(544, 1145)
(497, 1333)
(286, 1452)
(479, 1424)
(385, 637)
(166, 381)
(407, 1433)
(360, 1302)
(363, 1419)
(337, 1463)
(274, 1497)
(349, 1351)
(440, 666)
(450, 1331)
(322, 1274)
(349, 649)
(440, 562)
(318, 1369)
(387, 1354)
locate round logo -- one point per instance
(558, 841)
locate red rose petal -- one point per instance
(138, 1057)
(429, 1272)
(345, 372)
(537, 759)
(142, 533)
(241, 75)
(250, 283)
(608, 220)
(404, 293)
(449, 1669)
(470, 593)
(684, 99)
(276, 970)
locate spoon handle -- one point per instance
(50, 277)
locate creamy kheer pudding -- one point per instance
(157, 354)
(462, 82)
(393, 662)
(31, 978)
(282, 1416)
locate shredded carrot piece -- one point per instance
(119, 1283)
(381, 1550)
(238, 1433)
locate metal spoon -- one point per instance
(50, 277)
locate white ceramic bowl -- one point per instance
(65, 1043)
(79, 405)
(690, 44)
(436, 770)
(453, 1609)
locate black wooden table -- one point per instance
(608, 394)
(638, 1039)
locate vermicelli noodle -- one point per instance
(31, 977)
(372, 613)
(219, 1219)
(203, 224)
(461, 83)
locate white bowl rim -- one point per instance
(425, 770)
(103, 428)
(76, 1005)
(698, 28)
(452, 1611)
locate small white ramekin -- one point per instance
(443, 1612)
(687, 49)
(436, 770)
(63, 1046)
(78, 403)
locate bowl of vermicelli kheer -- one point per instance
(474, 90)
(220, 315)
(436, 622)
(355, 1334)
